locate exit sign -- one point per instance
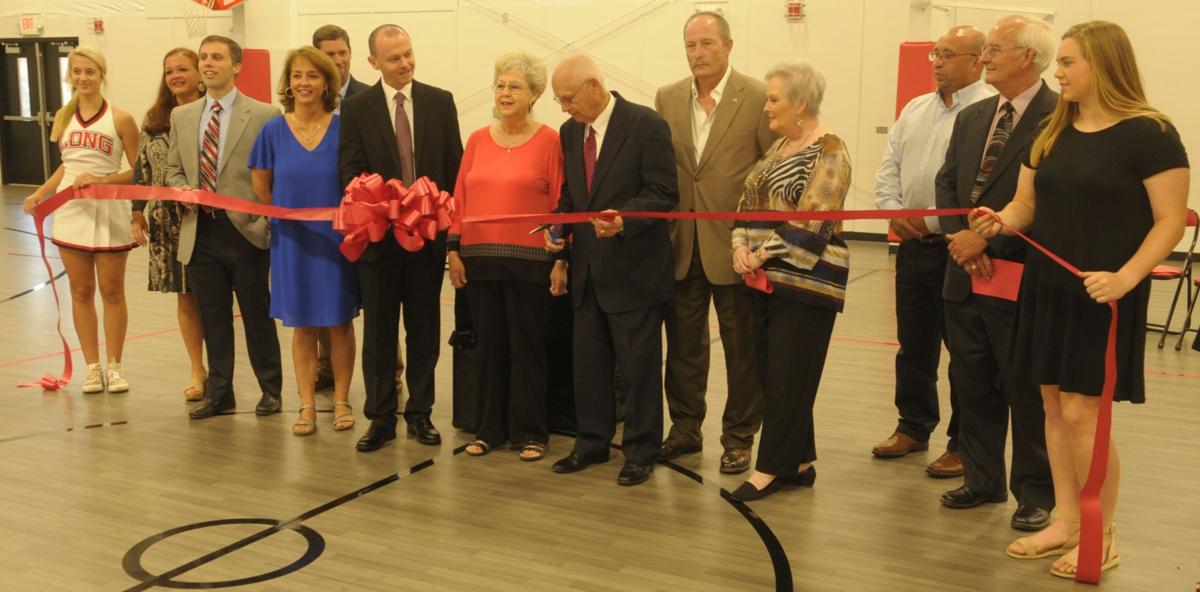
(31, 24)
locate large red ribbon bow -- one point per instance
(370, 206)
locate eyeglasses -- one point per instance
(569, 99)
(947, 55)
(992, 50)
(512, 88)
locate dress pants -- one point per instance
(921, 329)
(688, 358)
(793, 340)
(224, 263)
(981, 332)
(399, 281)
(632, 342)
(510, 324)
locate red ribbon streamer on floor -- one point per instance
(370, 206)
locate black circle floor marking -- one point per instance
(132, 562)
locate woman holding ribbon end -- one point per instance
(93, 235)
(806, 263)
(513, 166)
(294, 164)
(1106, 164)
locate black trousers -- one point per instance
(630, 341)
(921, 329)
(410, 283)
(510, 325)
(224, 263)
(793, 340)
(688, 347)
(981, 332)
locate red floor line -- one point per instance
(129, 338)
(31, 255)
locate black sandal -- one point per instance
(481, 448)
(537, 448)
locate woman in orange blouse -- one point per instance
(513, 166)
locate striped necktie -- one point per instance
(209, 150)
(994, 148)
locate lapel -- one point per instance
(189, 142)
(1021, 134)
(614, 136)
(237, 125)
(420, 96)
(727, 109)
(572, 140)
(378, 111)
(976, 132)
(681, 119)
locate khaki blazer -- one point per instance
(739, 137)
(233, 172)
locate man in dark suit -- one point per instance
(400, 129)
(617, 156)
(981, 169)
(225, 252)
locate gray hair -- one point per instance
(529, 65)
(1035, 34)
(722, 24)
(801, 82)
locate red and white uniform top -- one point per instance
(95, 225)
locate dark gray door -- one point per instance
(34, 89)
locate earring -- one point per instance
(288, 92)
(799, 121)
(201, 88)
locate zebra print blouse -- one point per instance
(809, 260)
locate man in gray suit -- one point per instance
(225, 252)
(719, 131)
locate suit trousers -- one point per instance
(921, 330)
(631, 342)
(510, 324)
(981, 332)
(410, 283)
(224, 263)
(688, 358)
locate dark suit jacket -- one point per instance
(634, 172)
(355, 87)
(956, 178)
(368, 143)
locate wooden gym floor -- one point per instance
(123, 492)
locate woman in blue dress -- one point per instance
(294, 164)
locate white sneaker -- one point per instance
(94, 381)
(116, 382)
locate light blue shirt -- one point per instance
(226, 116)
(916, 149)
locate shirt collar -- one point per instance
(717, 90)
(1021, 101)
(390, 92)
(225, 101)
(345, 87)
(601, 122)
(964, 93)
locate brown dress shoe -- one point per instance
(897, 445)
(947, 465)
(735, 460)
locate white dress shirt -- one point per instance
(701, 120)
(916, 149)
(226, 116)
(1020, 103)
(601, 125)
(342, 96)
(390, 94)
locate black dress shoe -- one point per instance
(269, 404)
(577, 461)
(805, 478)
(633, 473)
(965, 497)
(422, 429)
(673, 448)
(747, 492)
(1030, 518)
(324, 380)
(377, 435)
(208, 408)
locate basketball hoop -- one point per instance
(195, 15)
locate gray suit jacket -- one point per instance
(956, 178)
(233, 174)
(738, 138)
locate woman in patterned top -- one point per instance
(806, 262)
(156, 223)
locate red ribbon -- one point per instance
(370, 206)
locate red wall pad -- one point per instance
(255, 77)
(915, 76)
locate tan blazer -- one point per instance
(738, 138)
(233, 174)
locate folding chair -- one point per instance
(1187, 320)
(1183, 277)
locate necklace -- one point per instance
(307, 137)
(804, 141)
(511, 141)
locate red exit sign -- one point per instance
(31, 24)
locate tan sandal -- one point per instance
(195, 391)
(1111, 558)
(477, 447)
(532, 451)
(1030, 550)
(305, 426)
(344, 421)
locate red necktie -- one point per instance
(209, 151)
(589, 157)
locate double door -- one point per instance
(33, 72)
